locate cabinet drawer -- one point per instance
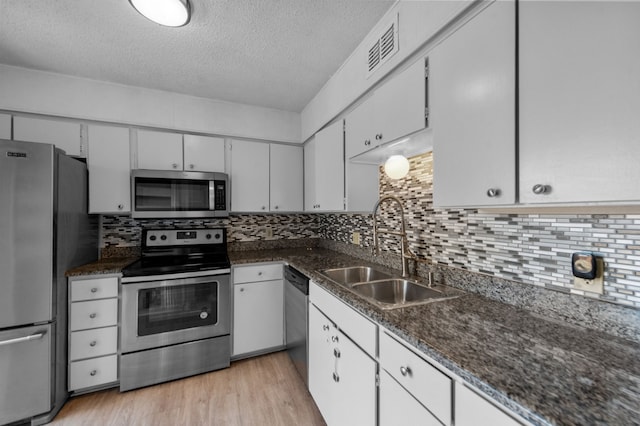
(426, 383)
(93, 372)
(93, 343)
(358, 328)
(98, 288)
(248, 274)
(394, 399)
(472, 409)
(93, 314)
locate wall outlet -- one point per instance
(595, 285)
(268, 232)
(355, 238)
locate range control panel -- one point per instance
(183, 237)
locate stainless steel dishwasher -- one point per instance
(296, 295)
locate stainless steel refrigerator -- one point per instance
(44, 230)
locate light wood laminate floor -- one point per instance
(265, 390)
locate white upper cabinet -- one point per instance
(325, 176)
(5, 126)
(286, 177)
(472, 81)
(108, 164)
(394, 110)
(66, 135)
(159, 150)
(203, 153)
(579, 102)
(173, 151)
(249, 176)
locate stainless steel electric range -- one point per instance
(176, 307)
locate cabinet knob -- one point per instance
(94, 290)
(120, 206)
(336, 352)
(92, 315)
(367, 142)
(541, 189)
(325, 327)
(405, 371)
(379, 137)
(242, 290)
(336, 378)
(275, 207)
(174, 165)
(93, 343)
(493, 192)
(260, 273)
(191, 166)
(93, 372)
(263, 208)
(334, 339)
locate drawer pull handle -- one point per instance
(92, 315)
(405, 371)
(336, 378)
(93, 372)
(93, 343)
(94, 290)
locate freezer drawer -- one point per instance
(25, 373)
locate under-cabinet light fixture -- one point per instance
(396, 167)
(170, 13)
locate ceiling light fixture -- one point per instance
(170, 13)
(396, 167)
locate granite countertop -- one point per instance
(547, 371)
(109, 265)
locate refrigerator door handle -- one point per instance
(23, 339)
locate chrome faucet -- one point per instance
(405, 251)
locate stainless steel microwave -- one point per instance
(178, 194)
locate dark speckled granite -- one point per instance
(109, 265)
(546, 370)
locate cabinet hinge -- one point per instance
(426, 113)
(426, 70)
(377, 379)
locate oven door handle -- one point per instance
(179, 276)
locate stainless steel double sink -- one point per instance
(382, 289)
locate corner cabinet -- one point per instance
(324, 170)
(108, 164)
(579, 102)
(342, 366)
(258, 309)
(93, 332)
(473, 93)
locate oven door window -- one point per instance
(172, 308)
(153, 194)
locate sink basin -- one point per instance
(397, 292)
(354, 274)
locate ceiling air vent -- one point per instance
(384, 47)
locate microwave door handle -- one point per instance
(212, 195)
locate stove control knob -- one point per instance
(163, 237)
(152, 238)
(217, 236)
(208, 236)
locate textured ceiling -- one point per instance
(271, 53)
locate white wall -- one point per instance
(25, 90)
(418, 21)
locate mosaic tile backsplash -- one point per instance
(525, 248)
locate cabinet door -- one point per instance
(395, 399)
(109, 165)
(329, 168)
(249, 176)
(258, 316)
(471, 409)
(401, 104)
(472, 77)
(5, 126)
(286, 178)
(65, 135)
(579, 101)
(203, 153)
(310, 175)
(321, 363)
(159, 150)
(360, 128)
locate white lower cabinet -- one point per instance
(342, 377)
(472, 409)
(342, 370)
(93, 332)
(397, 404)
(258, 308)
